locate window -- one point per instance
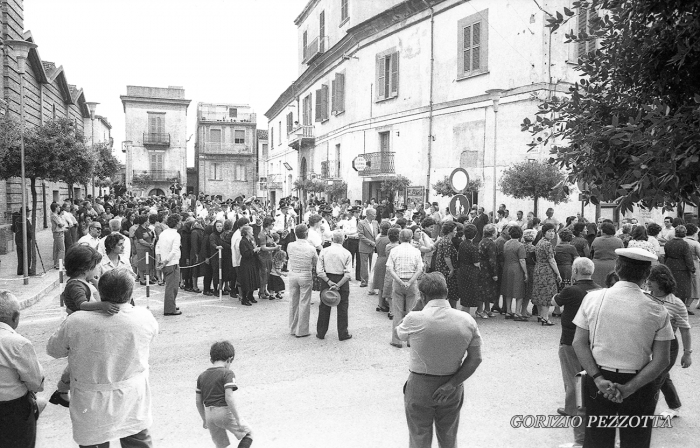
(215, 135)
(240, 173)
(585, 17)
(473, 45)
(215, 171)
(304, 43)
(387, 75)
(338, 100)
(343, 11)
(322, 31)
(232, 112)
(279, 133)
(290, 122)
(272, 136)
(239, 137)
(156, 123)
(322, 103)
(306, 119)
(384, 141)
(156, 161)
(264, 150)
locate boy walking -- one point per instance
(215, 402)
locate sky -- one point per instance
(223, 51)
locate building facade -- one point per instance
(47, 96)
(156, 129)
(263, 149)
(226, 150)
(418, 89)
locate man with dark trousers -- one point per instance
(333, 267)
(368, 230)
(352, 242)
(17, 229)
(284, 225)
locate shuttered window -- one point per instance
(306, 118)
(290, 122)
(473, 45)
(156, 123)
(387, 75)
(338, 89)
(343, 10)
(215, 171)
(239, 137)
(156, 161)
(585, 16)
(322, 31)
(322, 103)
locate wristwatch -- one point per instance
(597, 375)
(689, 351)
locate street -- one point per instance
(326, 393)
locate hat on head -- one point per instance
(354, 209)
(636, 255)
(400, 209)
(330, 297)
(325, 209)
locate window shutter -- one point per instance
(476, 46)
(582, 28)
(334, 87)
(340, 95)
(381, 60)
(324, 101)
(394, 73)
(319, 105)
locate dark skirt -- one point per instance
(248, 276)
(468, 280)
(275, 283)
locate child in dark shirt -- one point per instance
(215, 402)
(81, 264)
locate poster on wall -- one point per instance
(414, 195)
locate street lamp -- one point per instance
(495, 95)
(91, 107)
(21, 52)
(127, 149)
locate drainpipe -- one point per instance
(430, 113)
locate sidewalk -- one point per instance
(39, 285)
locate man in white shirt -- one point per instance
(92, 238)
(168, 259)
(404, 265)
(668, 232)
(352, 242)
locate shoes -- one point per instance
(547, 323)
(509, 316)
(539, 319)
(304, 335)
(196, 290)
(382, 309)
(272, 297)
(482, 315)
(319, 336)
(227, 290)
(161, 283)
(279, 296)
(246, 303)
(153, 282)
(189, 289)
(372, 293)
(208, 293)
(561, 411)
(252, 299)
(142, 283)
(496, 309)
(363, 285)
(520, 318)
(396, 344)
(56, 398)
(491, 314)
(667, 413)
(176, 313)
(346, 337)
(556, 314)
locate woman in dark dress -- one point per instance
(196, 242)
(488, 274)
(530, 261)
(468, 274)
(379, 272)
(247, 272)
(446, 261)
(185, 232)
(216, 242)
(679, 260)
(267, 247)
(226, 255)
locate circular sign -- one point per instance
(459, 180)
(359, 163)
(459, 205)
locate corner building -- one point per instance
(404, 84)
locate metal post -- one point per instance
(148, 281)
(221, 279)
(25, 257)
(60, 279)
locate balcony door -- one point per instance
(156, 125)
(157, 162)
(384, 149)
(306, 118)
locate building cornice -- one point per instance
(150, 100)
(306, 11)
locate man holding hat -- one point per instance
(352, 243)
(623, 340)
(333, 267)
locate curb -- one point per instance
(26, 303)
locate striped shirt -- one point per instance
(405, 260)
(677, 310)
(302, 256)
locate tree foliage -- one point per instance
(106, 165)
(391, 185)
(443, 188)
(310, 185)
(337, 190)
(534, 180)
(630, 129)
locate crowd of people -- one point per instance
(520, 267)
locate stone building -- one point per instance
(48, 95)
(263, 148)
(156, 127)
(225, 150)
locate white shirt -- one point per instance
(88, 240)
(315, 237)
(350, 227)
(20, 370)
(280, 222)
(127, 247)
(168, 247)
(236, 248)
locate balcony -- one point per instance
(226, 148)
(378, 164)
(153, 176)
(330, 169)
(274, 181)
(156, 139)
(224, 117)
(302, 137)
(314, 48)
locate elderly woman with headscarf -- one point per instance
(226, 256)
(679, 260)
(488, 274)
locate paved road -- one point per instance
(312, 393)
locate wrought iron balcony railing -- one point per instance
(156, 138)
(330, 169)
(301, 137)
(150, 176)
(378, 163)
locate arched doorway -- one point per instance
(156, 192)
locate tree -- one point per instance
(391, 185)
(54, 152)
(337, 190)
(443, 188)
(106, 165)
(534, 180)
(630, 129)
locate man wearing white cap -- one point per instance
(623, 339)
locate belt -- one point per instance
(612, 369)
(300, 272)
(430, 375)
